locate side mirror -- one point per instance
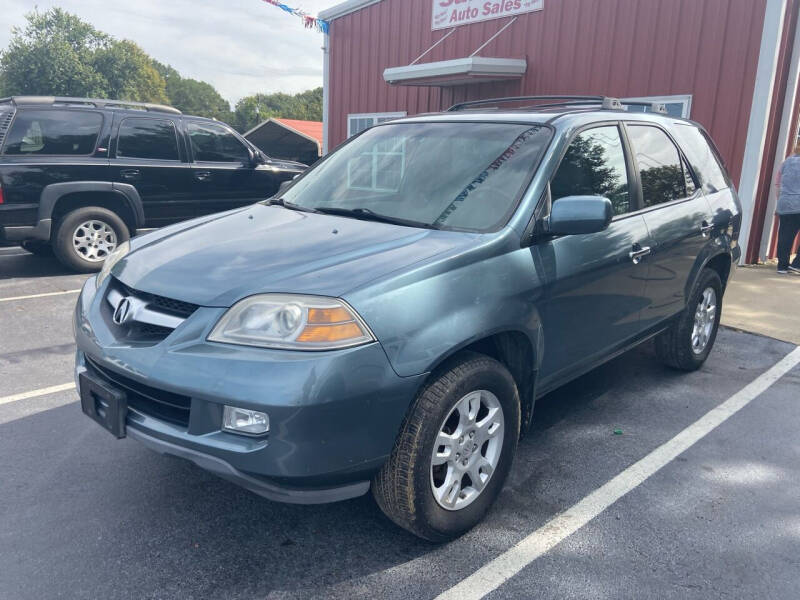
(284, 185)
(575, 215)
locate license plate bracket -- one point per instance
(104, 403)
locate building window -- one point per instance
(358, 123)
(677, 106)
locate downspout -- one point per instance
(786, 132)
(759, 115)
(326, 93)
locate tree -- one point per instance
(130, 73)
(252, 110)
(192, 96)
(53, 55)
(58, 54)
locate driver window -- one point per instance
(594, 165)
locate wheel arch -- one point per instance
(516, 351)
(58, 199)
(721, 262)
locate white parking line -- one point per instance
(495, 573)
(39, 295)
(36, 393)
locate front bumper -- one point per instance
(333, 416)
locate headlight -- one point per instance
(291, 322)
(113, 258)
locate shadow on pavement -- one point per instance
(19, 263)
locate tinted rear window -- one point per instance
(703, 158)
(660, 166)
(53, 132)
(147, 138)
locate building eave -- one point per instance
(345, 8)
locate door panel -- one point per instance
(679, 220)
(595, 294)
(223, 175)
(596, 282)
(148, 157)
(680, 232)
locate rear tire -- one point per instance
(86, 236)
(412, 489)
(38, 248)
(689, 340)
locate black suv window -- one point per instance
(702, 156)
(214, 143)
(53, 132)
(147, 138)
(660, 166)
(594, 165)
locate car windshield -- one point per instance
(454, 175)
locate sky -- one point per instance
(241, 47)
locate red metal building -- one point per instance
(731, 65)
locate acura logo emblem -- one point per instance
(124, 311)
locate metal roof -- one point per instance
(345, 8)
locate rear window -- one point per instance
(147, 138)
(660, 165)
(53, 132)
(702, 157)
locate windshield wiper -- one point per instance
(289, 205)
(365, 214)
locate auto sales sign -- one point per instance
(451, 13)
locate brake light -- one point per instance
(1, 193)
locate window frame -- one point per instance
(27, 109)
(634, 187)
(387, 116)
(190, 147)
(124, 118)
(685, 99)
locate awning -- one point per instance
(460, 71)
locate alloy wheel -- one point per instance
(94, 240)
(705, 317)
(467, 450)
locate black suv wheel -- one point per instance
(454, 450)
(86, 236)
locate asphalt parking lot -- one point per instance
(83, 515)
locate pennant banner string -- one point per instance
(309, 21)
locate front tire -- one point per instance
(689, 340)
(454, 450)
(86, 236)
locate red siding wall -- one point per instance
(707, 48)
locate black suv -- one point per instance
(82, 175)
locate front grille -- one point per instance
(145, 399)
(170, 305)
(154, 320)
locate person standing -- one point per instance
(788, 211)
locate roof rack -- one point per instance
(96, 102)
(606, 102)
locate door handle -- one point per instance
(130, 174)
(638, 253)
(202, 175)
(706, 229)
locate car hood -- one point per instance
(217, 260)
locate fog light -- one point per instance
(242, 420)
